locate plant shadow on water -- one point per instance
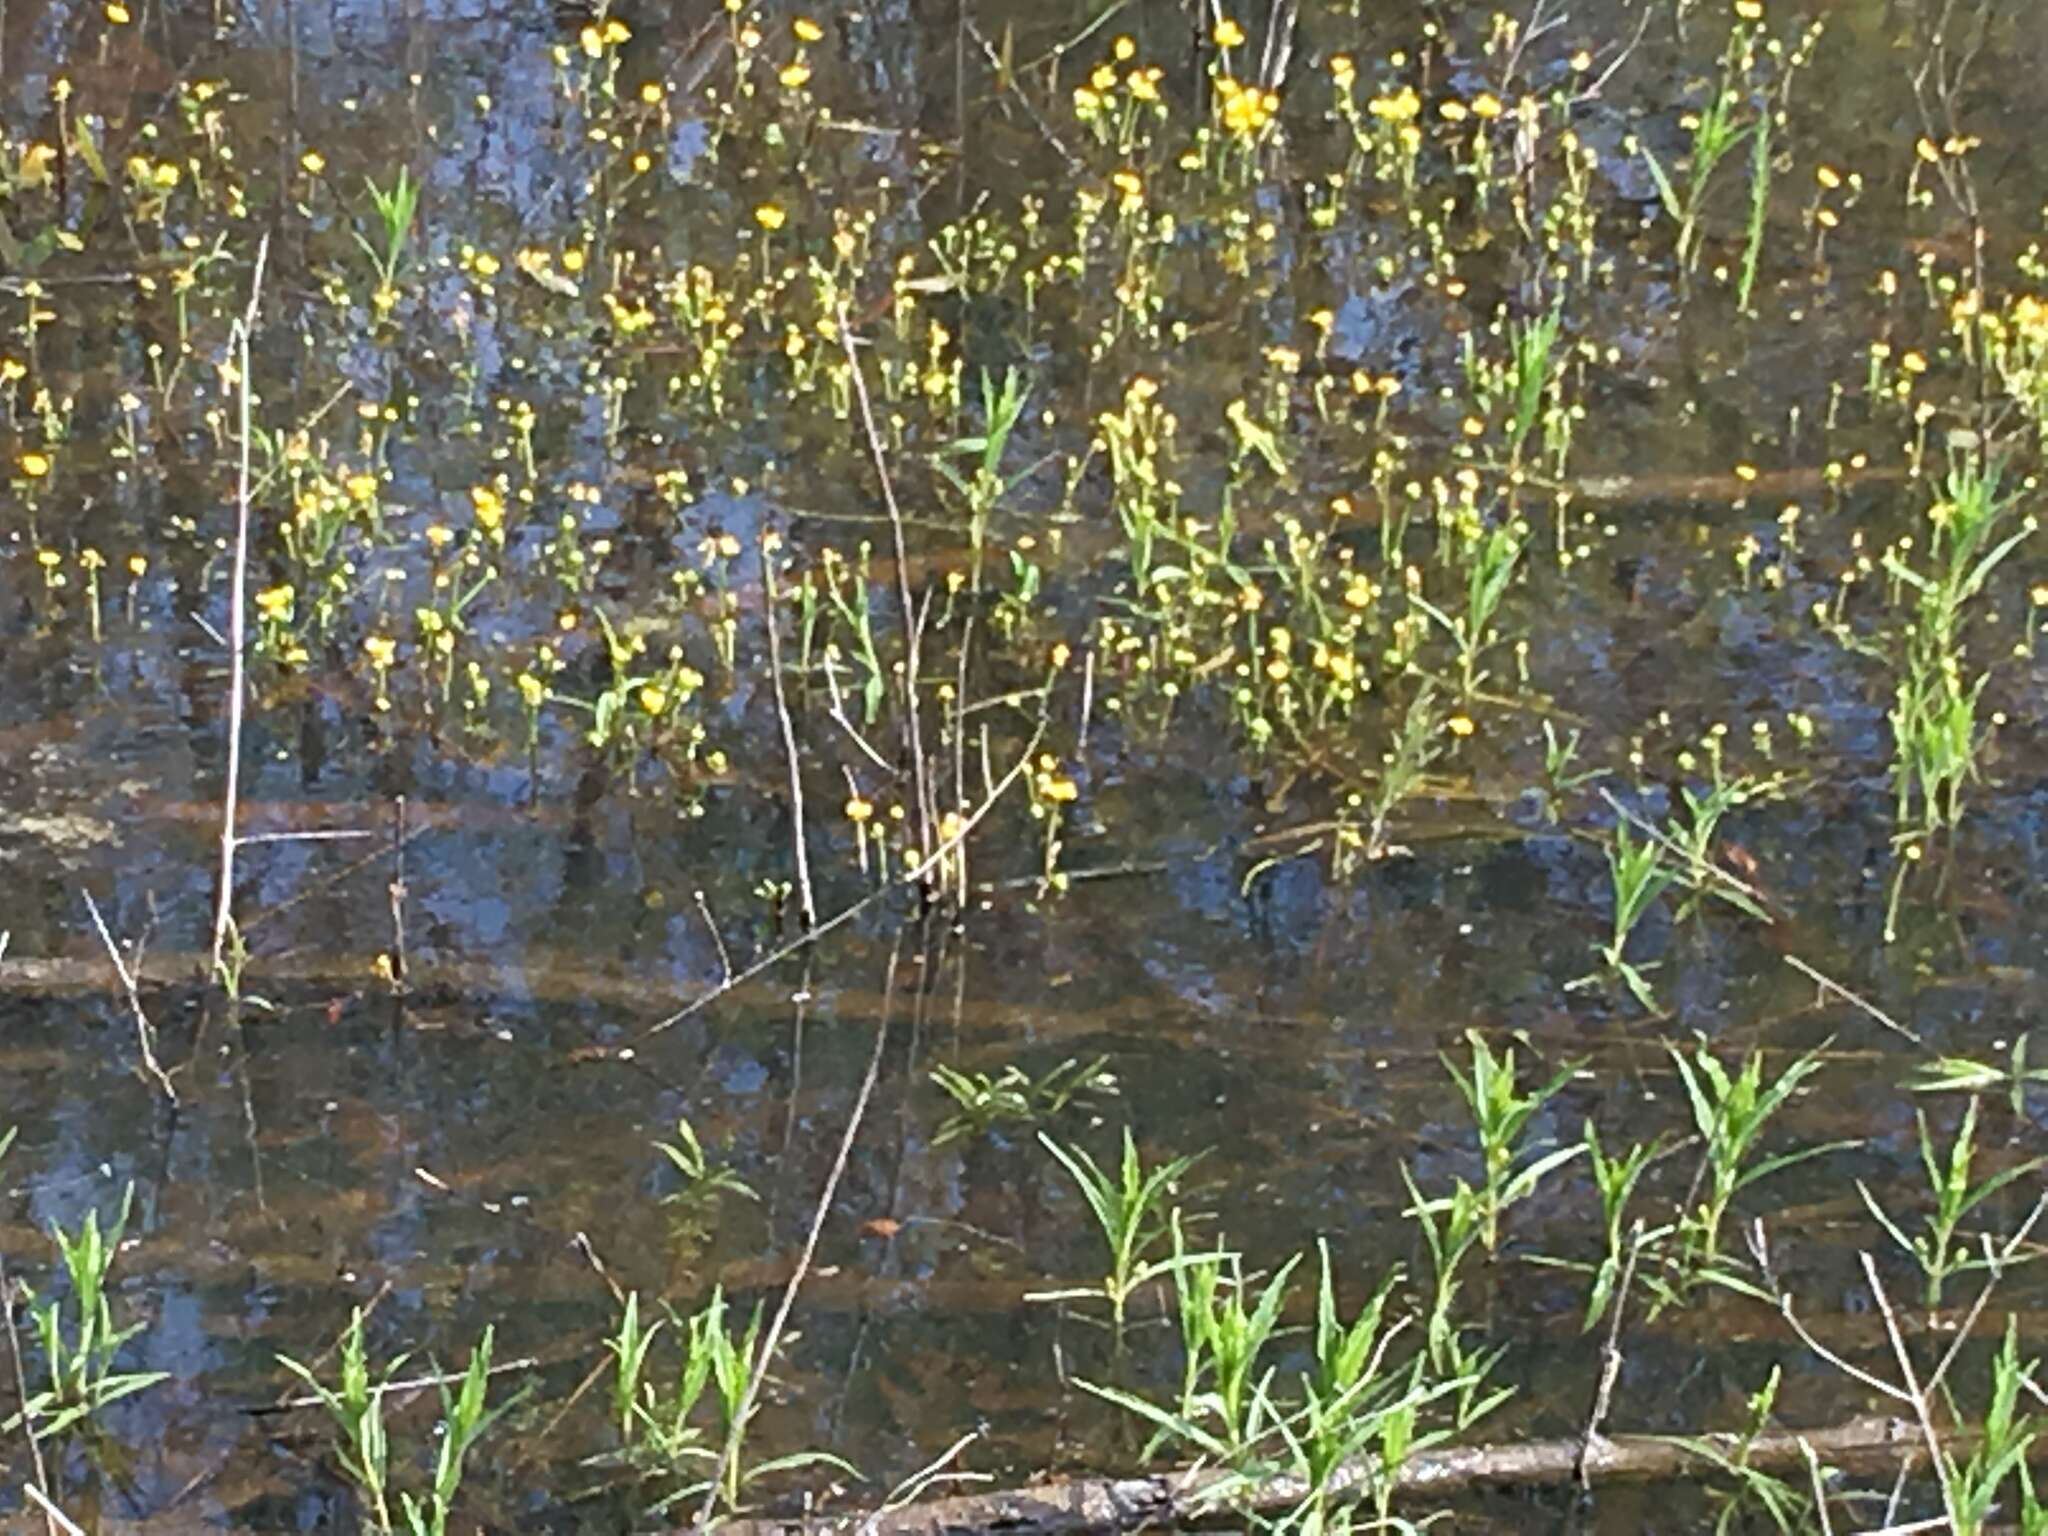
(1021, 747)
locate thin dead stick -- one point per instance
(238, 624)
(410, 1384)
(717, 938)
(1922, 1409)
(913, 876)
(1610, 1355)
(1829, 984)
(1996, 1266)
(1087, 701)
(28, 1422)
(911, 627)
(769, 544)
(346, 835)
(56, 1517)
(397, 890)
(728, 1457)
(932, 1473)
(1820, 1496)
(145, 1035)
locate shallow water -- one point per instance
(453, 1154)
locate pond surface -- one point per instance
(1200, 776)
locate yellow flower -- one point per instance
(859, 810)
(313, 161)
(617, 32)
(360, 486)
(1229, 34)
(381, 649)
(592, 40)
(794, 75)
(532, 690)
(653, 700)
(487, 265)
(1749, 10)
(1913, 362)
(165, 175)
(1486, 105)
(12, 369)
(138, 565)
(806, 30)
(572, 259)
(35, 465)
(770, 216)
(440, 535)
(275, 604)
(1827, 176)
(117, 13)
(1459, 725)
(1342, 70)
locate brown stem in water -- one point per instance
(807, 905)
(728, 1458)
(28, 1423)
(911, 626)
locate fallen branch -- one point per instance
(1086, 1506)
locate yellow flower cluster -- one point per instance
(1245, 109)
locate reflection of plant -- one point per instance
(79, 1343)
(985, 1102)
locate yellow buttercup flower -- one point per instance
(806, 30)
(1229, 34)
(34, 465)
(770, 216)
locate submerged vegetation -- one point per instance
(1478, 564)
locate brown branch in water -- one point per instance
(1090, 1506)
(238, 624)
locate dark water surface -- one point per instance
(456, 1153)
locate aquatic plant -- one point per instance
(76, 1335)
